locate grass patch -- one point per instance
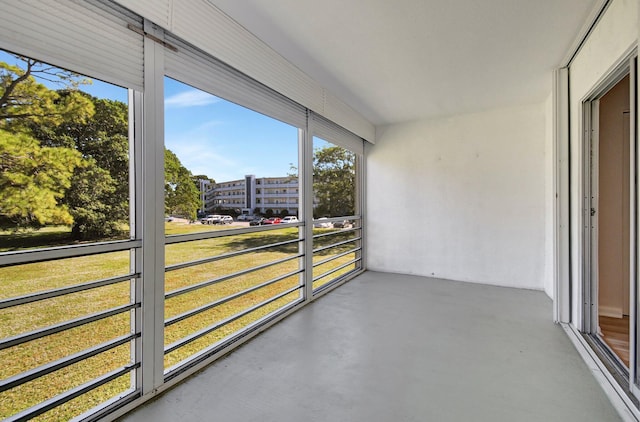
(29, 278)
(45, 237)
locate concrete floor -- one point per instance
(387, 347)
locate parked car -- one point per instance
(321, 224)
(289, 219)
(344, 224)
(245, 217)
(272, 220)
(225, 219)
(168, 218)
(258, 221)
(211, 219)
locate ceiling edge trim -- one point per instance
(585, 31)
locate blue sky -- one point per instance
(223, 140)
(212, 136)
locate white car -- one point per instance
(211, 219)
(289, 219)
(245, 217)
(320, 224)
(225, 219)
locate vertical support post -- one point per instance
(634, 276)
(591, 147)
(152, 223)
(360, 202)
(135, 221)
(306, 164)
(562, 260)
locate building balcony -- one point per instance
(279, 185)
(278, 195)
(227, 188)
(232, 196)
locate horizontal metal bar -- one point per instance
(9, 383)
(21, 300)
(353, 261)
(53, 329)
(56, 401)
(331, 258)
(336, 231)
(49, 254)
(193, 337)
(229, 255)
(335, 219)
(333, 245)
(226, 299)
(198, 286)
(190, 237)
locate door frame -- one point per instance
(590, 147)
(588, 288)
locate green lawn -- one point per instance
(29, 278)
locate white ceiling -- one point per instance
(400, 60)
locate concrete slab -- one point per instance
(387, 347)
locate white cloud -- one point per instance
(200, 151)
(191, 98)
(205, 149)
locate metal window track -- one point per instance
(53, 329)
(193, 337)
(218, 302)
(21, 378)
(199, 286)
(229, 255)
(48, 294)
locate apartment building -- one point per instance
(255, 195)
(203, 185)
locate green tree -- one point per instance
(33, 181)
(181, 196)
(61, 121)
(334, 181)
(98, 198)
(198, 177)
(22, 98)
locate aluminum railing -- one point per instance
(25, 257)
(235, 275)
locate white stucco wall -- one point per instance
(460, 198)
(611, 39)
